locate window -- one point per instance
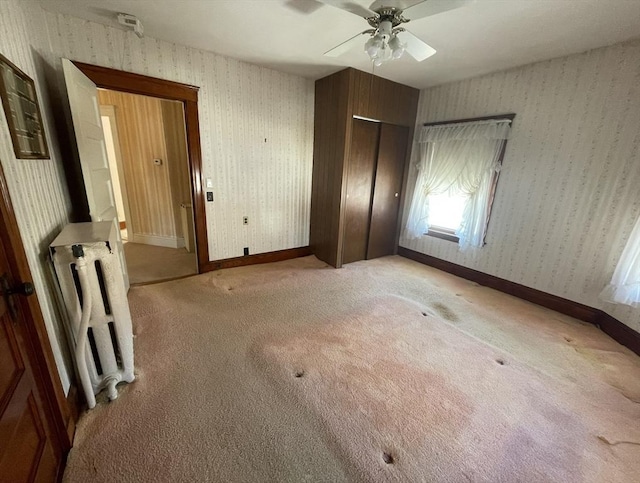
(624, 287)
(445, 213)
(458, 168)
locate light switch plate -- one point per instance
(209, 183)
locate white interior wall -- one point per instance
(568, 192)
(256, 128)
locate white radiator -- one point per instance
(93, 288)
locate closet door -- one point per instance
(386, 196)
(360, 176)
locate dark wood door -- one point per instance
(26, 443)
(360, 178)
(385, 207)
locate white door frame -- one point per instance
(110, 112)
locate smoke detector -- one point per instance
(132, 22)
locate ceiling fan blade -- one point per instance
(401, 4)
(350, 6)
(427, 8)
(346, 45)
(305, 7)
(416, 47)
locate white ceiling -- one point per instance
(292, 35)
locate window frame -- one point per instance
(447, 233)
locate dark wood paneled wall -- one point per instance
(382, 99)
(329, 146)
(340, 97)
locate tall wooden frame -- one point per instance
(118, 80)
(58, 410)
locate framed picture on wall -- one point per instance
(20, 103)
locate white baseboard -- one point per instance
(159, 241)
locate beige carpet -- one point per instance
(149, 263)
(385, 370)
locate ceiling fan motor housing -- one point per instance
(387, 14)
(385, 29)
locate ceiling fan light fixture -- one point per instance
(381, 50)
(397, 47)
(385, 52)
(373, 46)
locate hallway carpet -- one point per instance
(385, 370)
(149, 263)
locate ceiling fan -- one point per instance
(388, 40)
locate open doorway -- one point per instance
(87, 177)
(146, 146)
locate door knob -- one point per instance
(6, 290)
(396, 195)
(25, 289)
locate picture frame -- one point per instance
(20, 104)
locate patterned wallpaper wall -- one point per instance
(256, 128)
(37, 187)
(568, 193)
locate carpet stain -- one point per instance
(500, 361)
(424, 314)
(364, 396)
(445, 312)
(299, 374)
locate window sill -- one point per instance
(443, 235)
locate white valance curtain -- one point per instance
(625, 284)
(458, 158)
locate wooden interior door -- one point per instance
(360, 178)
(385, 207)
(26, 439)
